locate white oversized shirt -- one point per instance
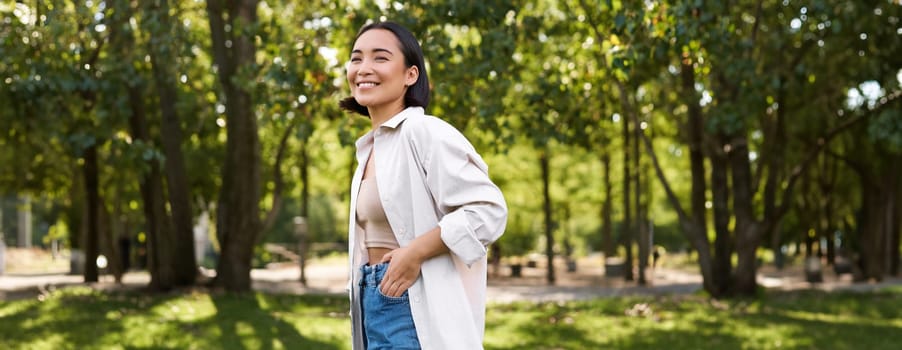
(429, 175)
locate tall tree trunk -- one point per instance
(92, 190)
(773, 161)
(549, 225)
(895, 231)
(807, 215)
(163, 63)
(873, 230)
(2, 242)
(825, 221)
(896, 228)
(641, 232)
(748, 229)
(23, 213)
(626, 235)
(891, 247)
(718, 279)
(121, 253)
(607, 238)
(694, 225)
(91, 171)
(108, 229)
(238, 212)
(75, 219)
(305, 204)
(776, 245)
(876, 219)
(159, 241)
(161, 249)
(305, 179)
(723, 242)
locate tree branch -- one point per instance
(270, 217)
(822, 142)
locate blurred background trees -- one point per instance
(192, 132)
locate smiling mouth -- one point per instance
(366, 84)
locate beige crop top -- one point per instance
(371, 217)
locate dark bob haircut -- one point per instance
(417, 94)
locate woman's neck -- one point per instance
(381, 115)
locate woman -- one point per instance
(423, 208)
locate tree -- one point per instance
(159, 25)
(65, 47)
(736, 57)
(296, 91)
(233, 29)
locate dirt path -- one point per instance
(588, 281)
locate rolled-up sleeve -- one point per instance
(474, 213)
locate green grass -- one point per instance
(81, 318)
(800, 320)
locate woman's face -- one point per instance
(377, 73)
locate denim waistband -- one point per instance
(371, 275)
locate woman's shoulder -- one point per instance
(429, 134)
(421, 124)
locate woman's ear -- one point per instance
(413, 73)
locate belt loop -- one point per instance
(362, 279)
(368, 275)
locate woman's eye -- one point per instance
(381, 59)
(355, 59)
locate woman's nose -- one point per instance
(365, 67)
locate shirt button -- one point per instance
(416, 299)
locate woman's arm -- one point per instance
(406, 261)
(474, 213)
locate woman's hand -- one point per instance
(403, 271)
(404, 268)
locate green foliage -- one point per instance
(520, 235)
(58, 231)
(516, 76)
(323, 225)
(886, 128)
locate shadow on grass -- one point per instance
(656, 338)
(877, 304)
(82, 318)
(823, 320)
(256, 327)
(538, 326)
(596, 324)
(69, 318)
(808, 320)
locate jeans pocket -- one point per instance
(393, 300)
(388, 321)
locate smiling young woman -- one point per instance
(423, 208)
(379, 75)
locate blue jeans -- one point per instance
(387, 321)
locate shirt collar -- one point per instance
(363, 146)
(394, 122)
(399, 118)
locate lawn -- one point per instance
(81, 318)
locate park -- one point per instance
(678, 174)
